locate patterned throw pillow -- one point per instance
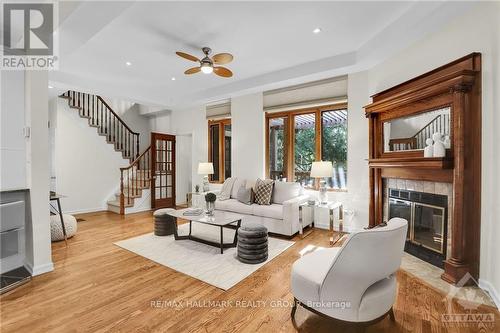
(263, 192)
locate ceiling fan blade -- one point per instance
(222, 58)
(192, 70)
(223, 71)
(187, 56)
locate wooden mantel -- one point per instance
(456, 85)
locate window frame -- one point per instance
(221, 123)
(289, 117)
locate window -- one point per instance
(219, 149)
(334, 146)
(277, 157)
(304, 147)
(295, 139)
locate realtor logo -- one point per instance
(28, 36)
(35, 22)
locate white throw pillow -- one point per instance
(238, 182)
(284, 191)
(225, 192)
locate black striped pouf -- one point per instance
(164, 223)
(252, 243)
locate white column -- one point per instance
(247, 122)
(38, 248)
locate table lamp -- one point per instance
(322, 170)
(205, 169)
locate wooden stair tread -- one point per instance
(117, 203)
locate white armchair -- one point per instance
(355, 282)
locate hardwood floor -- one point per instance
(99, 287)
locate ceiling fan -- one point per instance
(207, 63)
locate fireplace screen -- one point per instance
(427, 220)
(428, 226)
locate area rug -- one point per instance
(198, 260)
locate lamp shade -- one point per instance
(205, 168)
(321, 169)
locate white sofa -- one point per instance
(281, 217)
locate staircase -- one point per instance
(135, 179)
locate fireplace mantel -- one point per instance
(456, 86)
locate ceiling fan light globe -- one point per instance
(206, 68)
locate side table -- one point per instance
(331, 214)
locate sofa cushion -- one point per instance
(284, 191)
(264, 192)
(273, 211)
(245, 195)
(227, 187)
(233, 205)
(238, 183)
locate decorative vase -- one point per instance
(429, 150)
(438, 147)
(210, 208)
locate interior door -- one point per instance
(163, 170)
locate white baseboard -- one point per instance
(39, 269)
(486, 285)
(86, 210)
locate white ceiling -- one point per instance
(272, 43)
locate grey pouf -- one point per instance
(252, 243)
(164, 223)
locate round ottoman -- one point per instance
(56, 231)
(252, 243)
(164, 223)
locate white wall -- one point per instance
(87, 168)
(476, 31)
(247, 130)
(183, 158)
(12, 122)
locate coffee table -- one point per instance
(219, 219)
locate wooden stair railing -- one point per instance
(107, 122)
(134, 178)
(440, 124)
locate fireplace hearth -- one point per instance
(427, 216)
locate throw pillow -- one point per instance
(238, 183)
(225, 193)
(284, 191)
(245, 195)
(264, 192)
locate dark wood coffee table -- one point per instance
(220, 219)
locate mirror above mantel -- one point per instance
(410, 133)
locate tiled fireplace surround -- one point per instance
(421, 186)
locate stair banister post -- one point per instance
(137, 146)
(122, 196)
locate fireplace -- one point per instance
(427, 216)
